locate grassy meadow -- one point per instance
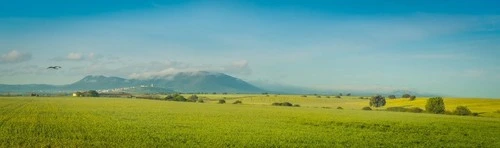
(121, 122)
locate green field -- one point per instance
(120, 122)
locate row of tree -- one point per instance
(90, 93)
(434, 105)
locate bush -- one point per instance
(391, 97)
(201, 101)
(406, 96)
(397, 109)
(304, 96)
(222, 101)
(366, 108)
(276, 104)
(348, 94)
(337, 97)
(340, 107)
(415, 110)
(284, 104)
(435, 105)
(237, 102)
(412, 98)
(377, 101)
(296, 105)
(318, 96)
(327, 97)
(193, 98)
(462, 111)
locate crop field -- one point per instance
(122, 122)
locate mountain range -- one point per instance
(200, 81)
(185, 82)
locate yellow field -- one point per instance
(486, 107)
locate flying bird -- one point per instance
(54, 67)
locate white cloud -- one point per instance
(168, 68)
(75, 56)
(78, 56)
(15, 56)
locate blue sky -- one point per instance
(443, 47)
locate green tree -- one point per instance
(435, 105)
(406, 96)
(377, 101)
(391, 97)
(412, 98)
(91, 93)
(193, 98)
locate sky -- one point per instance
(446, 47)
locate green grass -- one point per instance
(109, 122)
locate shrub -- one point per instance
(366, 108)
(286, 104)
(397, 109)
(327, 96)
(193, 98)
(304, 96)
(361, 98)
(296, 105)
(462, 111)
(348, 94)
(435, 105)
(391, 97)
(237, 102)
(337, 97)
(340, 94)
(412, 98)
(276, 104)
(318, 96)
(340, 107)
(415, 110)
(201, 101)
(406, 96)
(180, 98)
(377, 101)
(222, 101)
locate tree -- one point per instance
(340, 94)
(91, 93)
(222, 101)
(193, 98)
(435, 105)
(169, 98)
(412, 98)
(462, 111)
(406, 96)
(348, 94)
(391, 97)
(377, 101)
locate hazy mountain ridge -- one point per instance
(180, 82)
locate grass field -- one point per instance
(116, 122)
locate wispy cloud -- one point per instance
(78, 56)
(15, 56)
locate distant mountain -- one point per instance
(201, 81)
